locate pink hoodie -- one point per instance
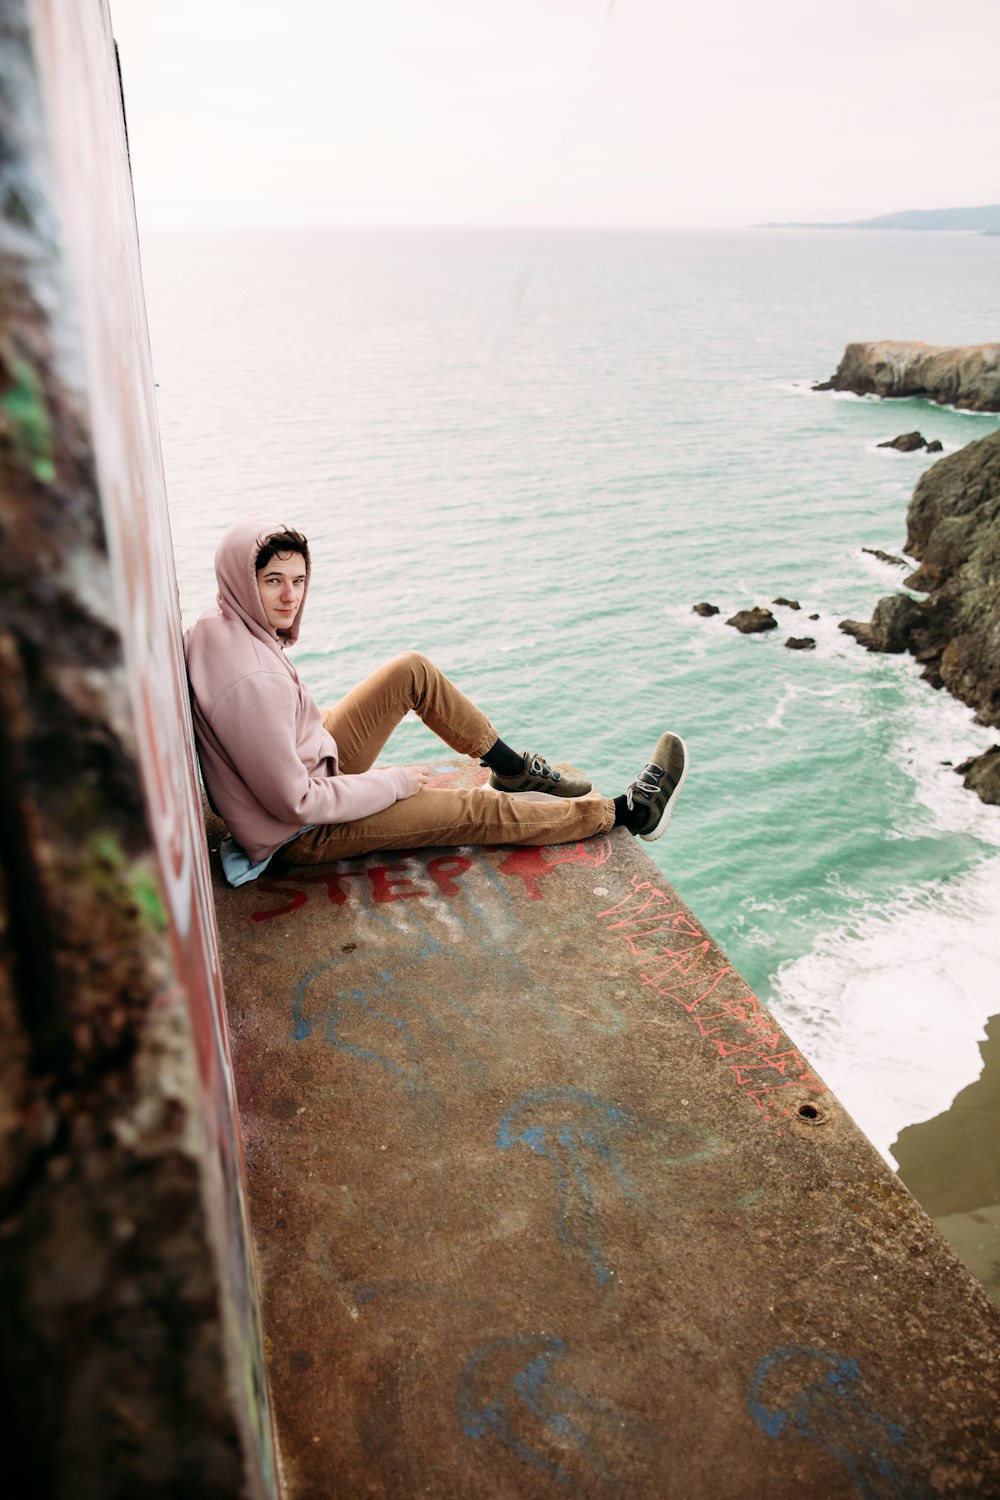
(269, 765)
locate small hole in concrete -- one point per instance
(808, 1112)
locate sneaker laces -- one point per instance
(539, 766)
(647, 784)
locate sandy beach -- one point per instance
(952, 1167)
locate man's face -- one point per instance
(281, 586)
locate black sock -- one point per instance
(626, 817)
(503, 760)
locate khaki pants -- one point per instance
(363, 721)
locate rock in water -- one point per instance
(704, 609)
(982, 774)
(886, 557)
(907, 442)
(801, 643)
(753, 621)
(890, 626)
(935, 446)
(788, 603)
(967, 375)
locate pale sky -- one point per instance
(652, 112)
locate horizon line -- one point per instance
(525, 226)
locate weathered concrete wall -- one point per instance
(130, 1345)
(547, 1204)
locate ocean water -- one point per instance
(528, 453)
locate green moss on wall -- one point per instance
(111, 870)
(30, 428)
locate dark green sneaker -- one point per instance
(654, 792)
(538, 776)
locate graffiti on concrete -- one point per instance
(393, 1021)
(591, 1145)
(531, 862)
(820, 1396)
(392, 1018)
(509, 1391)
(386, 883)
(679, 962)
(376, 1011)
(581, 1136)
(441, 876)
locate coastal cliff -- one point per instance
(966, 376)
(953, 526)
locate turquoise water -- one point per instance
(528, 454)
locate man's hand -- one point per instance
(417, 778)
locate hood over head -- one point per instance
(236, 571)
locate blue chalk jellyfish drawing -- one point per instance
(581, 1135)
(384, 1012)
(820, 1396)
(392, 1024)
(508, 1390)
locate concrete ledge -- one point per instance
(545, 1203)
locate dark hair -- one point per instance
(281, 542)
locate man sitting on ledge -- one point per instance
(285, 776)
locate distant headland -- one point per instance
(966, 376)
(984, 220)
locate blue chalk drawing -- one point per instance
(385, 1012)
(410, 1073)
(577, 1133)
(364, 1292)
(501, 890)
(303, 1023)
(530, 1409)
(305, 1020)
(585, 1137)
(829, 1408)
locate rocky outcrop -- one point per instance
(954, 532)
(801, 643)
(982, 774)
(788, 603)
(705, 609)
(753, 621)
(967, 376)
(907, 442)
(912, 442)
(886, 557)
(891, 625)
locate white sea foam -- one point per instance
(790, 693)
(891, 1008)
(939, 733)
